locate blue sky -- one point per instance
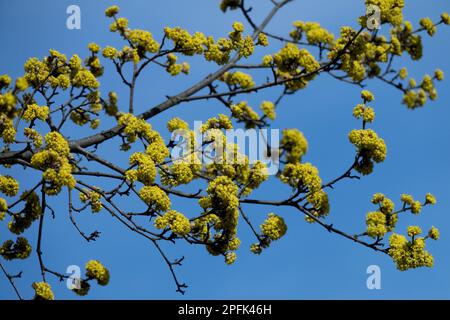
(308, 262)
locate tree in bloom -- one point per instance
(57, 92)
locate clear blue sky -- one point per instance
(308, 262)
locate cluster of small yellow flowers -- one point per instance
(302, 176)
(263, 40)
(5, 81)
(3, 208)
(414, 231)
(11, 250)
(244, 46)
(258, 173)
(244, 113)
(409, 254)
(376, 224)
(112, 11)
(238, 79)
(403, 73)
(364, 112)
(8, 186)
(230, 258)
(146, 171)
(30, 213)
(33, 111)
(367, 96)
(110, 106)
(173, 68)
(54, 161)
(143, 41)
(445, 18)
(93, 198)
(85, 78)
(155, 198)
(177, 124)
(315, 34)
(119, 24)
(180, 172)
(430, 199)
(296, 64)
(221, 122)
(267, 60)
(110, 52)
(391, 10)
(273, 227)
(134, 127)
(370, 148)
(185, 42)
(43, 291)
(223, 201)
(428, 25)
(176, 221)
(294, 144)
(34, 136)
(415, 205)
(229, 4)
(93, 61)
(268, 108)
(21, 84)
(8, 112)
(433, 233)
(95, 270)
(320, 205)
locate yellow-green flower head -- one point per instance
(391, 10)
(267, 60)
(110, 52)
(31, 212)
(111, 11)
(294, 143)
(177, 124)
(273, 227)
(299, 175)
(433, 233)
(256, 248)
(428, 25)
(143, 41)
(315, 34)
(119, 25)
(95, 270)
(376, 224)
(430, 199)
(230, 258)
(85, 78)
(21, 84)
(403, 73)
(268, 108)
(407, 198)
(414, 231)
(238, 78)
(8, 186)
(43, 291)
(11, 250)
(146, 171)
(263, 40)
(416, 207)
(367, 96)
(94, 199)
(439, 74)
(445, 17)
(176, 221)
(33, 111)
(366, 113)
(94, 47)
(3, 208)
(407, 255)
(5, 81)
(156, 198)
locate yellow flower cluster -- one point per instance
(112, 11)
(320, 205)
(8, 112)
(315, 34)
(428, 25)
(95, 270)
(93, 198)
(3, 208)
(364, 112)
(391, 10)
(143, 41)
(176, 221)
(414, 205)
(273, 227)
(11, 250)
(244, 113)
(8, 186)
(54, 161)
(43, 291)
(146, 171)
(33, 111)
(302, 176)
(376, 224)
(134, 127)
(370, 148)
(85, 78)
(155, 198)
(409, 254)
(433, 233)
(230, 258)
(238, 79)
(268, 108)
(294, 144)
(30, 213)
(177, 124)
(296, 64)
(221, 122)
